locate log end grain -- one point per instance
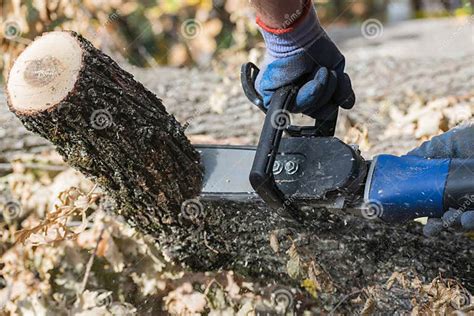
(45, 73)
(106, 125)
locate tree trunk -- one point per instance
(140, 156)
(106, 125)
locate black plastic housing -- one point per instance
(459, 191)
(329, 165)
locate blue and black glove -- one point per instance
(457, 143)
(435, 180)
(304, 55)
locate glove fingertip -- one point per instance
(308, 95)
(467, 220)
(452, 218)
(322, 75)
(433, 228)
(345, 97)
(349, 102)
(313, 91)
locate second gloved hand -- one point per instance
(304, 55)
(457, 143)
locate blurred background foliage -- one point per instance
(182, 32)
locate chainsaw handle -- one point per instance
(261, 175)
(277, 120)
(248, 75)
(325, 127)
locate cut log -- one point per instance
(111, 128)
(106, 125)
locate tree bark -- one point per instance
(111, 128)
(144, 161)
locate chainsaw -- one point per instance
(295, 166)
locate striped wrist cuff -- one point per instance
(301, 34)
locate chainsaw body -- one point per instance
(304, 171)
(306, 165)
(291, 166)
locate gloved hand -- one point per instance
(456, 219)
(304, 55)
(457, 143)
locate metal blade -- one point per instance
(227, 171)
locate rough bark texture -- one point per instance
(111, 128)
(352, 253)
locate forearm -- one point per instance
(278, 14)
